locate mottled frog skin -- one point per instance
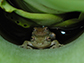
(41, 39)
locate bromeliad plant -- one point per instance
(28, 13)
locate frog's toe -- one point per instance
(28, 47)
(22, 46)
(53, 47)
(60, 45)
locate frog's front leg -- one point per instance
(55, 44)
(26, 45)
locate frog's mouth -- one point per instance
(35, 46)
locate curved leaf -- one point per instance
(64, 5)
(11, 53)
(36, 17)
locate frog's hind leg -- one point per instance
(25, 45)
(55, 44)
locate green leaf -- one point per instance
(70, 53)
(67, 23)
(64, 5)
(42, 19)
(39, 18)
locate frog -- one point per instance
(42, 38)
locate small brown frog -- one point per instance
(41, 39)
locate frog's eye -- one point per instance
(45, 28)
(33, 39)
(52, 35)
(35, 28)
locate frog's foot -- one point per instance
(25, 45)
(61, 45)
(55, 44)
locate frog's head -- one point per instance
(39, 31)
